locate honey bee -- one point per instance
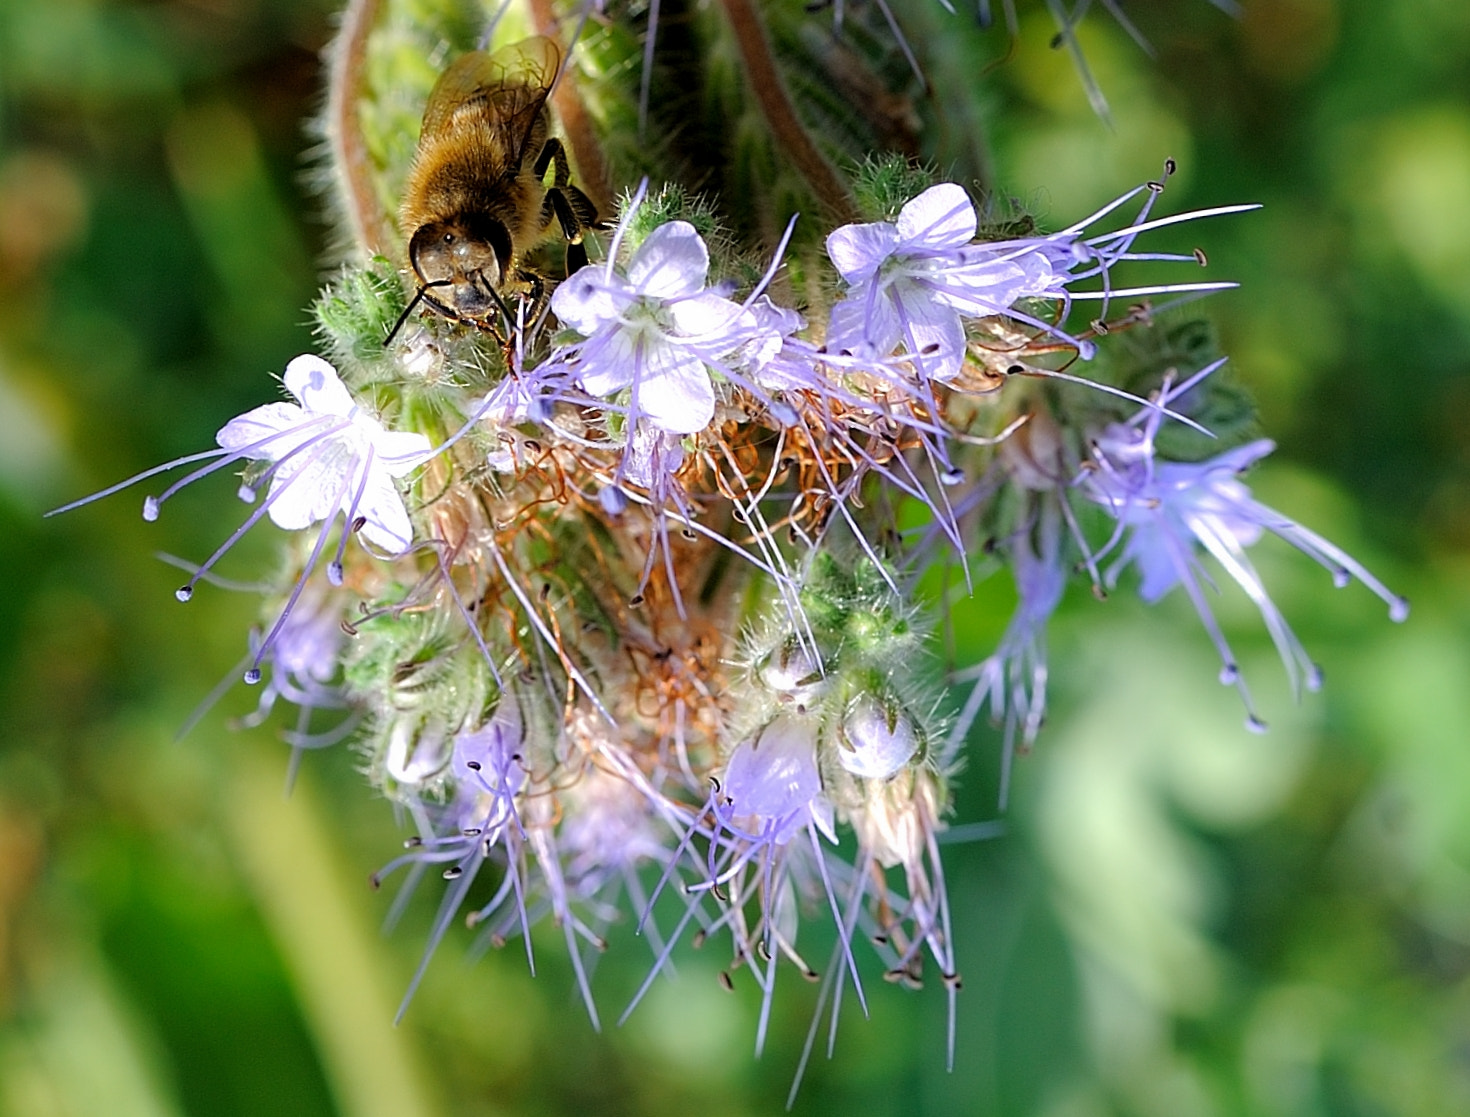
(476, 198)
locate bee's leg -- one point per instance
(582, 206)
(576, 257)
(554, 152)
(566, 216)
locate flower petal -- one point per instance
(274, 430)
(931, 332)
(941, 218)
(609, 363)
(674, 390)
(588, 299)
(386, 524)
(858, 250)
(717, 324)
(317, 385)
(399, 452)
(309, 489)
(671, 263)
(865, 324)
(775, 774)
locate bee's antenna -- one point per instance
(413, 302)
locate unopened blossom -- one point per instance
(772, 786)
(876, 741)
(328, 455)
(912, 283)
(656, 330)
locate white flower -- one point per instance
(655, 331)
(911, 284)
(328, 456)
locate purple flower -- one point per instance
(1166, 510)
(911, 284)
(1012, 679)
(656, 330)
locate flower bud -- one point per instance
(418, 750)
(793, 672)
(876, 741)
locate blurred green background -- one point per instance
(1182, 918)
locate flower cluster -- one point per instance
(632, 629)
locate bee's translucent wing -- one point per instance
(514, 81)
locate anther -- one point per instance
(413, 842)
(636, 601)
(252, 676)
(150, 508)
(334, 572)
(1170, 167)
(1099, 327)
(183, 593)
(472, 765)
(1015, 370)
(725, 983)
(454, 872)
(1200, 258)
(1255, 724)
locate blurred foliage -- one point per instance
(1181, 918)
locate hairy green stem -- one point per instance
(371, 230)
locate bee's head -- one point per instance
(465, 259)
